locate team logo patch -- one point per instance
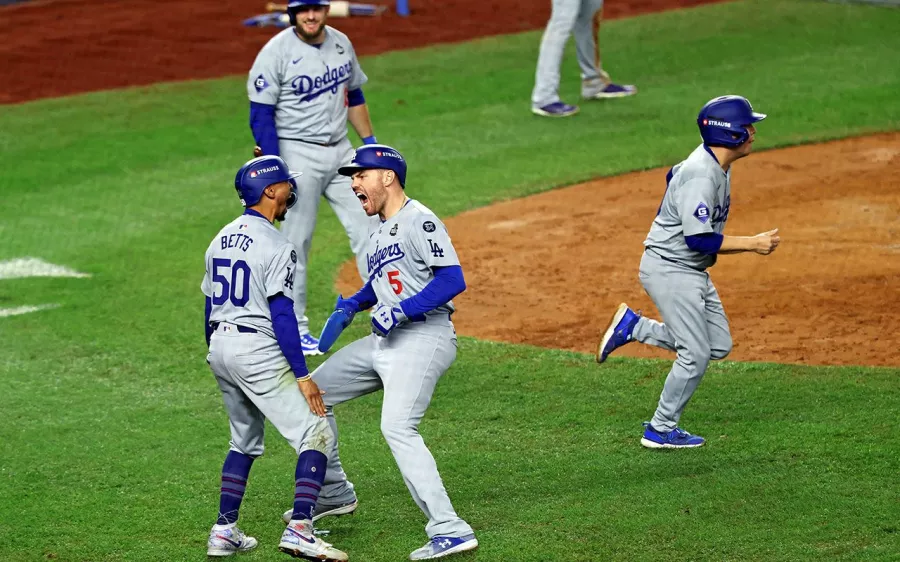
(242, 227)
(394, 230)
(293, 256)
(339, 48)
(428, 226)
(260, 83)
(702, 213)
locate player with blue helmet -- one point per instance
(304, 86)
(255, 355)
(684, 240)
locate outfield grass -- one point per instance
(114, 432)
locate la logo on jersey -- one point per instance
(436, 250)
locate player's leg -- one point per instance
(247, 426)
(266, 379)
(679, 294)
(411, 361)
(300, 221)
(348, 209)
(595, 83)
(545, 96)
(346, 375)
(717, 323)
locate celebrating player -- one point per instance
(304, 85)
(254, 352)
(413, 273)
(583, 17)
(684, 240)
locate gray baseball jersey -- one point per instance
(403, 249)
(696, 201)
(308, 85)
(246, 263)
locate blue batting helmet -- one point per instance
(258, 174)
(376, 157)
(294, 6)
(723, 121)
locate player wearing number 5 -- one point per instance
(413, 273)
(254, 352)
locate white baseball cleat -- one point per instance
(324, 511)
(300, 541)
(228, 540)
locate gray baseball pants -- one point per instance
(407, 365)
(566, 17)
(694, 325)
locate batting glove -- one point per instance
(385, 319)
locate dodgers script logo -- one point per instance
(309, 87)
(383, 256)
(720, 213)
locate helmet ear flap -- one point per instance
(292, 16)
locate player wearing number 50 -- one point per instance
(685, 239)
(304, 86)
(413, 273)
(254, 352)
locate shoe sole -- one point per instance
(293, 552)
(312, 352)
(464, 547)
(603, 96)
(223, 553)
(610, 330)
(348, 509)
(654, 445)
(542, 113)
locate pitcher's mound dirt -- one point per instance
(549, 270)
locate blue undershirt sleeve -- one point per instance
(447, 283)
(365, 298)
(262, 123)
(355, 97)
(206, 312)
(284, 322)
(706, 243)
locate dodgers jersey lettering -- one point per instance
(307, 85)
(403, 249)
(697, 201)
(246, 263)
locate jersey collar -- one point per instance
(253, 213)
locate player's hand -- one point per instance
(766, 242)
(313, 396)
(257, 152)
(386, 318)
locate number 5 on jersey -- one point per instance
(394, 280)
(239, 278)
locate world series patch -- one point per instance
(428, 226)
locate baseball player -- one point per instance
(254, 352)
(305, 84)
(684, 240)
(413, 273)
(583, 17)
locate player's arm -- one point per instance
(208, 329)
(206, 287)
(763, 243)
(357, 110)
(431, 243)
(263, 88)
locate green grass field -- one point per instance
(113, 429)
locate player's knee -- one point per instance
(696, 359)
(395, 430)
(319, 438)
(722, 349)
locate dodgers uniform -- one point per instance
(407, 364)
(309, 88)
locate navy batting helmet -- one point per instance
(723, 121)
(376, 157)
(258, 174)
(294, 6)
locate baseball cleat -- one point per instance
(325, 511)
(299, 541)
(608, 91)
(619, 331)
(228, 541)
(557, 109)
(675, 439)
(310, 345)
(438, 547)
